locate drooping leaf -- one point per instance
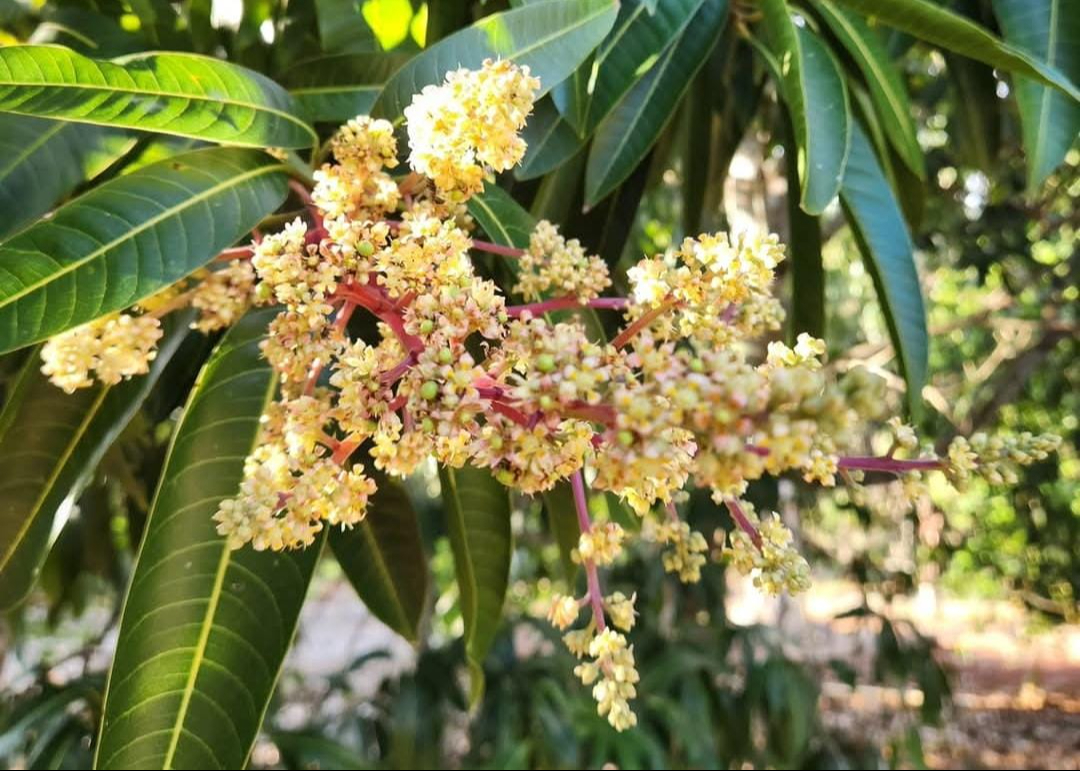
(571, 97)
(342, 28)
(44, 160)
(130, 237)
(478, 522)
(551, 142)
(633, 47)
(551, 38)
(1049, 30)
(816, 98)
(562, 520)
(882, 79)
(383, 558)
(50, 444)
(501, 217)
(337, 88)
(951, 31)
(807, 268)
(878, 224)
(205, 628)
(624, 137)
(169, 93)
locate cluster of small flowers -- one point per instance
(121, 345)
(611, 669)
(677, 397)
(997, 458)
(467, 127)
(113, 348)
(554, 265)
(767, 555)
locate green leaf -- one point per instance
(552, 38)
(50, 444)
(205, 629)
(807, 269)
(882, 79)
(878, 224)
(562, 519)
(338, 88)
(342, 28)
(383, 558)
(130, 237)
(633, 48)
(502, 218)
(571, 97)
(816, 97)
(478, 523)
(1049, 120)
(44, 160)
(551, 142)
(169, 93)
(624, 137)
(951, 31)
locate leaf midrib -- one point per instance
(383, 570)
(140, 228)
(31, 148)
(474, 601)
(58, 468)
(1045, 101)
(163, 94)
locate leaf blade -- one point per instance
(44, 160)
(190, 689)
(953, 32)
(172, 93)
(810, 77)
(883, 81)
(71, 433)
(57, 272)
(1049, 120)
(383, 558)
(887, 249)
(478, 523)
(624, 137)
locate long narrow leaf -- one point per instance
(478, 522)
(130, 237)
(1050, 120)
(50, 443)
(883, 238)
(171, 93)
(951, 31)
(205, 629)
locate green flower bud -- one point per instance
(429, 390)
(365, 248)
(545, 362)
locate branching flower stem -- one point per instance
(596, 597)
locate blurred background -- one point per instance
(943, 635)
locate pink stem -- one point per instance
(236, 253)
(672, 512)
(399, 370)
(627, 334)
(743, 522)
(891, 465)
(596, 598)
(505, 251)
(568, 303)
